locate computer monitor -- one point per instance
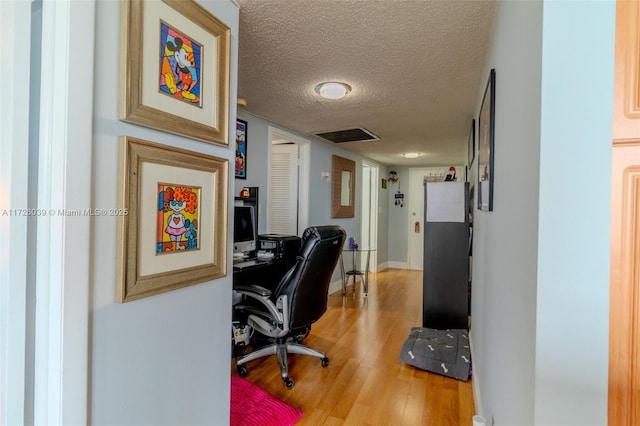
(244, 230)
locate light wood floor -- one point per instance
(366, 383)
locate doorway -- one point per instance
(369, 220)
(288, 200)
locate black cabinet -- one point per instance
(446, 255)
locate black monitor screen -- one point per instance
(243, 229)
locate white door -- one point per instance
(369, 231)
(416, 215)
(283, 190)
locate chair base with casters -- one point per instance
(283, 318)
(281, 347)
(278, 342)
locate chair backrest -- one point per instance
(307, 283)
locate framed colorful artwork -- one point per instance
(175, 232)
(174, 77)
(486, 136)
(241, 149)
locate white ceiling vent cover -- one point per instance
(356, 134)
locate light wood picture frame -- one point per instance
(175, 231)
(174, 75)
(343, 187)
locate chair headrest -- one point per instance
(324, 232)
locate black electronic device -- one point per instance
(244, 230)
(278, 246)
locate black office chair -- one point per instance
(300, 299)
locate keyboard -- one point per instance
(247, 263)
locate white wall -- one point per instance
(398, 218)
(572, 326)
(505, 240)
(14, 107)
(321, 153)
(540, 276)
(164, 359)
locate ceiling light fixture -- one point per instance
(333, 90)
(411, 155)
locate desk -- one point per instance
(266, 273)
(354, 271)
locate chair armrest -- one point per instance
(277, 310)
(253, 288)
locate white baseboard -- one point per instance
(398, 265)
(335, 286)
(381, 267)
(475, 382)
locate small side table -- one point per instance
(354, 271)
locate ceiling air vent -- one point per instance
(357, 134)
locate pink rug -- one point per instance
(252, 406)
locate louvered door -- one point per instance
(283, 190)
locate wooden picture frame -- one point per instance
(174, 75)
(486, 142)
(241, 149)
(175, 232)
(343, 187)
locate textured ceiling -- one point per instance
(415, 67)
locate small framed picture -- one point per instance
(241, 149)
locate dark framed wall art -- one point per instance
(241, 149)
(486, 143)
(471, 144)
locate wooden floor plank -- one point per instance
(366, 383)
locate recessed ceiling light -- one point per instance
(332, 90)
(411, 155)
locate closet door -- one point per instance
(624, 332)
(283, 190)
